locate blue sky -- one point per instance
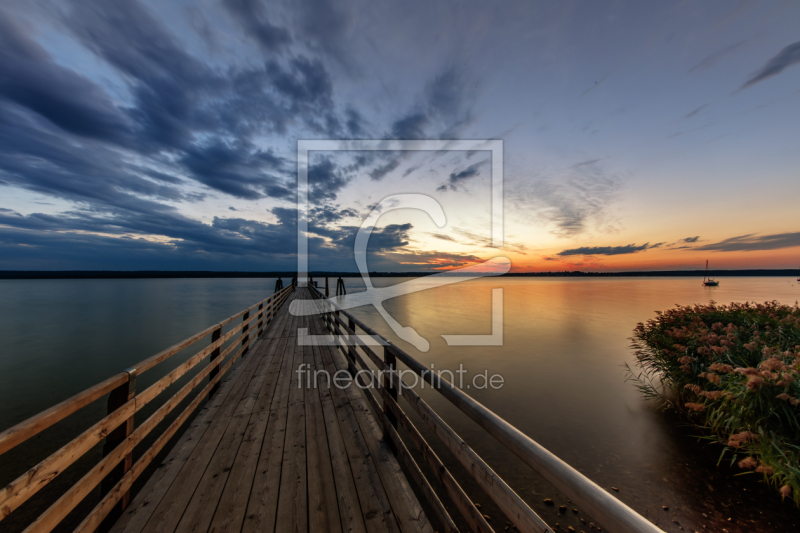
(163, 135)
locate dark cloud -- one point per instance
(325, 180)
(31, 79)
(225, 236)
(303, 82)
(752, 242)
(158, 119)
(354, 122)
(237, 168)
(608, 250)
(382, 171)
(328, 214)
(786, 58)
(252, 16)
(459, 177)
(410, 127)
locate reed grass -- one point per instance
(733, 371)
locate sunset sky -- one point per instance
(155, 135)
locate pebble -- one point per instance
(665, 507)
(615, 489)
(548, 501)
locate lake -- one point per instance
(565, 341)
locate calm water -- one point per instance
(565, 341)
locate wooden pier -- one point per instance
(271, 454)
(269, 441)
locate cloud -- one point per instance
(573, 203)
(324, 26)
(70, 101)
(458, 178)
(608, 250)
(237, 168)
(712, 60)
(786, 58)
(417, 260)
(696, 111)
(752, 242)
(325, 180)
(443, 237)
(411, 126)
(145, 122)
(252, 16)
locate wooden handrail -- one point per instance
(21, 489)
(610, 512)
(30, 427)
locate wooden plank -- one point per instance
(233, 504)
(350, 513)
(203, 503)
(375, 507)
(175, 500)
(266, 376)
(323, 511)
(293, 496)
(134, 519)
(262, 508)
(230, 511)
(404, 502)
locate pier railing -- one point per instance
(356, 341)
(117, 427)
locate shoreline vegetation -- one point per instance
(732, 371)
(174, 274)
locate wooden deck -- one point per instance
(267, 453)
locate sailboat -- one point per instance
(708, 282)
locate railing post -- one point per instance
(326, 286)
(116, 399)
(390, 361)
(245, 337)
(260, 316)
(215, 335)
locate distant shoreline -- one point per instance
(169, 274)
